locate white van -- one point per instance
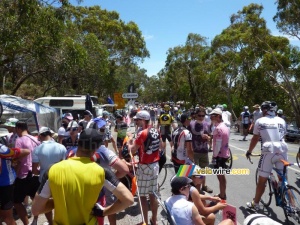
(74, 104)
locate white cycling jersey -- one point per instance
(271, 130)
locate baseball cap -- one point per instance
(45, 130)
(216, 111)
(142, 115)
(3, 132)
(68, 116)
(87, 113)
(11, 122)
(185, 117)
(72, 124)
(90, 139)
(256, 106)
(179, 182)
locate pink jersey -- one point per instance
(26, 142)
(221, 141)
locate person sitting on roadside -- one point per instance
(199, 200)
(182, 210)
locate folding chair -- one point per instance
(170, 218)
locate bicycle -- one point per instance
(286, 196)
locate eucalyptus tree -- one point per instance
(185, 69)
(288, 17)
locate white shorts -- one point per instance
(267, 160)
(147, 175)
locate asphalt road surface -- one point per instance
(240, 188)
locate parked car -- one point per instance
(292, 134)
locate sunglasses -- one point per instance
(201, 115)
(186, 186)
(73, 129)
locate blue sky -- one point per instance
(166, 23)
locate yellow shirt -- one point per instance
(75, 184)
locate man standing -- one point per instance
(87, 122)
(182, 151)
(62, 133)
(245, 118)
(220, 147)
(71, 142)
(226, 116)
(26, 184)
(271, 129)
(256, 115)
(121, 129)
(44, 156)
(200, 130)
(147, 144)
(82, 182)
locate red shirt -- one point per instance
(148, 140)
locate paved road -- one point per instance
(240, 189)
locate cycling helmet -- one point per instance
(167, 107)
(224, 106)
(269, 105)
(105, 113)
(246, 108)
(280, 111)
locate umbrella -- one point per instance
(88, 103)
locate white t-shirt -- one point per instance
(180, 209)
(260, 219)
(256, 115)
(272, 130)
(226, 115)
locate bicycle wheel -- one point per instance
(126, 181)
(291, 204)
(266, 198)
(298, 157)
(229, 161)
(162, 176)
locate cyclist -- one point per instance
(245, 118)
(182, 150)
(271, 129)
(164, 125)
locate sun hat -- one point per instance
(11, 122)
(100, 122)
(256, 106)
(216, 111)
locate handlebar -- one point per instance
(255, 155)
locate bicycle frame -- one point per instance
(282, 188)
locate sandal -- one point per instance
(218, 195)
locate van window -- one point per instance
(61, 102)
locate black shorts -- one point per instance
(25, 187)
(221, 162)
(245, 126)
(6, 197)
(120, 142)
(164, 137)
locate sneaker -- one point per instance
(207, 189)
(253, 206)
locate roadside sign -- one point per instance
(119, 100)
(130, 95)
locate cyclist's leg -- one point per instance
(265, 166)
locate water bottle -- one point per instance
(274, 183)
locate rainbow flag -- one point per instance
(185, 170)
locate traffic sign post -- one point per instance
(130, 95)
